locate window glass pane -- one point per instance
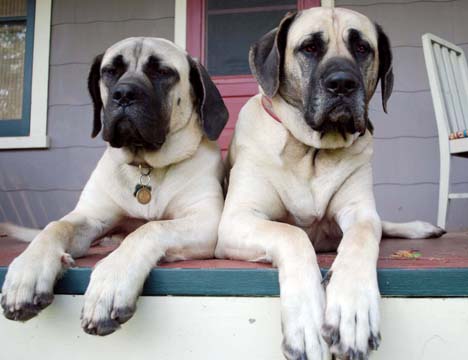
(232, 26)
(233, 4)
(12, 8)
(12, 48)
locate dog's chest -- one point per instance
(157, 192)
(307, 187)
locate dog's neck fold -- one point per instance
(179, 146)
(293, 120)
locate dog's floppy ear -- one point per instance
(385, 65)
(266, 56)
(95, 92)
(210, 105)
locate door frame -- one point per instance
(189, 33)
(195, 38)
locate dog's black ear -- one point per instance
(385, 65)
(210, 105)
(93, 88)
(266, 56)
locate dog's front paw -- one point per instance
(302, 318)
(110, 299)
(28, 286)
(352, 317)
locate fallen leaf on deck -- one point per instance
(406, 254)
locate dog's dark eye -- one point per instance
(109, 71)
(362, 49)
(310, 49)
(163, 71)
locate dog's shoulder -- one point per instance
(257, 133)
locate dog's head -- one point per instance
(148, 88)
(326, 64)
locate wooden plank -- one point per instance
(450, 251)
(440, 269)
(264, 282)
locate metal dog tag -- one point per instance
(142, 193)
(143, 190)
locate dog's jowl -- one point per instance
(159, 111)
(301, 179)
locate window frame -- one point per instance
(33, 125)
(20, 127)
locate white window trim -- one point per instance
(328, 3)
(39, 87)
(180, 23)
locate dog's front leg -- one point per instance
(352, 313)
(117, 280)
(28, 286)
(246, 236)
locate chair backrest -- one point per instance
(448, 78)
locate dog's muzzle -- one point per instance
(341, 83)
(343, 106)
(128, 119)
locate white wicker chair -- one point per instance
(448, 78)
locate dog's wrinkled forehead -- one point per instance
(334, 26)
(136, 51)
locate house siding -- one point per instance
(406, 160)
(37, 186)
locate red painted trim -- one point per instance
(305, 4)
(234, 86)
(196, 28)
(251, 9)
(235, 90)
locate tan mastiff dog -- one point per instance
(301, 179)
(161, 112)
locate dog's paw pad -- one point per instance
(374, 341)
(22, 312)
(331, 335)
(355, 355)
(438, 232)
(28, 310)
(101, 327)
(43, 300)
(122, 315)
(293, 354)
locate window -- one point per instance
(16, 27)
(219, 34)
(232, 26)
(24, 57)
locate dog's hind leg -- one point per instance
(411, 230)
(29, 282)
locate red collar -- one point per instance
(268, 107)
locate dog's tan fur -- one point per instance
(284, 200)
(182, 218)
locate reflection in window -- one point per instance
(232, 26)
(16, 51)
(12, 49)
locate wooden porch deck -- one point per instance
(450, 251)
(420, 267)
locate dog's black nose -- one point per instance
(341, 83)
(124, 94)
